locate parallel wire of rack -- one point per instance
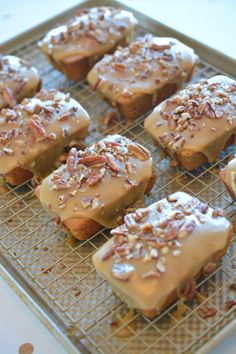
(60, 270)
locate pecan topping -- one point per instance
(188, 292)
(203, 207)
(206, 312)
(232, 286)
(139, 151)
(93, 160)
(64, 116)
(119, 66)
(187, 229)
(37, 127)
(209, 269)
(153, 273)
(217, 212)
(8, 151)
(72, 161)
(112, 163)
(108, 254)
(95, 176)
(122, 271)
(130, 222)
(229, 304)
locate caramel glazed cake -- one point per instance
(76, 46)
(18, 79)
(97, 184)
(34, 133)
(137, 77)
(160, 251)
(197, 123)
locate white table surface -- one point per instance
(209, 21)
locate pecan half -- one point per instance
(72, 161)
(36, 126)
(139, 151)
(93, 160)
(112, 163)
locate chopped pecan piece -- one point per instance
(188, 291)
(130, 222)
(229, 304)
(206, 312)
(217, 212)
(8, 151)
(122, 271)
(95, 176)
(108, 254)
(232, 286)
(153, 273)
(209, 269)
(112, 163)
(119, 66)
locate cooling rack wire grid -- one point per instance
(59, 268)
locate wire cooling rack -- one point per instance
(59, 270)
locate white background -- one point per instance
(209, 21)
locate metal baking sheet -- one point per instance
(54, 273)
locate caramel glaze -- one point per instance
(200, 118)
(34, 133)
(148, 64)
(161, 247)
(91, 33)
(18, 79)
(228, 175)
(99, 182)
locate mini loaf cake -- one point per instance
(18, 79)
(162, 248)
(197, 123)
(34, 133)
(228, 176)
(95, 185)
(76, 46)
(137, 77)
